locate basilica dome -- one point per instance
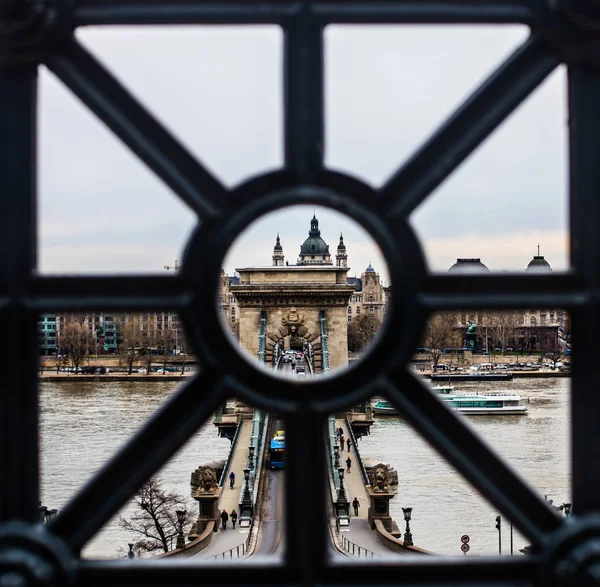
(314, 249)
(468, 266)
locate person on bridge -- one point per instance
(348, 464)
(224, 518)
(349, 444)
(342, 442)
(233, 518)
(231, 480)
(355, 505)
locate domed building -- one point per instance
(314, 250)
(538, 264)
(468, 266)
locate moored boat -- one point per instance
(473, 404)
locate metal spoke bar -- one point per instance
(502, 291)
(18, 394)
(463, 448)
(390, 571)
(97, 88)
(584, 135)
(166, 432)
(471, 124)
(152, 12)
(306, 515)
(303, 96)
(143, 293)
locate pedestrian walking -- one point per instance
(349, 444)
(342, 442)
(224, 518)
(348, 464)
(231, 480)
(233, 518)
(355, 505)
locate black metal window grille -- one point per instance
(41, 31)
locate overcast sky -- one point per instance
(219, 91)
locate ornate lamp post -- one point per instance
(336, 456)
(246, 505)
(408, 541)
(342, 505)
(251, 457)
(130, 554)
(180, 519)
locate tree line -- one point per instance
(140, 340)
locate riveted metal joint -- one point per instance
(30, 30)
(573, 558)
(31, 557)
(583, 14)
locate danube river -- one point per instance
(83, 424)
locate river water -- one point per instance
(84, 423)
(444, 506)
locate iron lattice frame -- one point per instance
(41, 31)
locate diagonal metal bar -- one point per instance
(143, 293)
(474, 121)
(584, 136)
(303, 96)
(502, 291)
(18, 394)
(305, 491)
(426, 11)
(463, 448)
(97, 88)
(166, 432)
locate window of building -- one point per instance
(371, 309)
(533, 321)
(358, 310)
(233, 319)
(371, 299)
(349, 318)
(542, 318)
(349, 309)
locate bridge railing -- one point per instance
(363, 471)
(238, 551)
(324, 343)
(230, 454)
(357, 550)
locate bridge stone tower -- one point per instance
(293, 299)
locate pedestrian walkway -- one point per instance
(358, 531)
(225, 539)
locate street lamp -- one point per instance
(180, 519)
(499, 528)
(251, 457)
(408, 541)
(336, 455)
(246, 503)
(130, 554)
(342, 505)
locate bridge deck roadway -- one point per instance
(223, 540)
(358, 531)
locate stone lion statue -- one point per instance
(380, 479)
(208, 480)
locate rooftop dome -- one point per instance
(468, 266)
(314, 244)
(369, 269)
(278, 246)
(539, 264)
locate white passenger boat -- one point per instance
(473, 404)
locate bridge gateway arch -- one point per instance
(297, 306)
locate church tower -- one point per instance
(341, 258)
(278, 258)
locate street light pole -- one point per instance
(180, 538)
(408, 541)
(499, 527)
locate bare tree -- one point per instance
(361, 331)
(439, 334)
(155, 518)
(502, 326)
(150, 340)
(167, 342)
(555, 356)
(76, 340)
(130, 340)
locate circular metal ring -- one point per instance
(211, 242)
